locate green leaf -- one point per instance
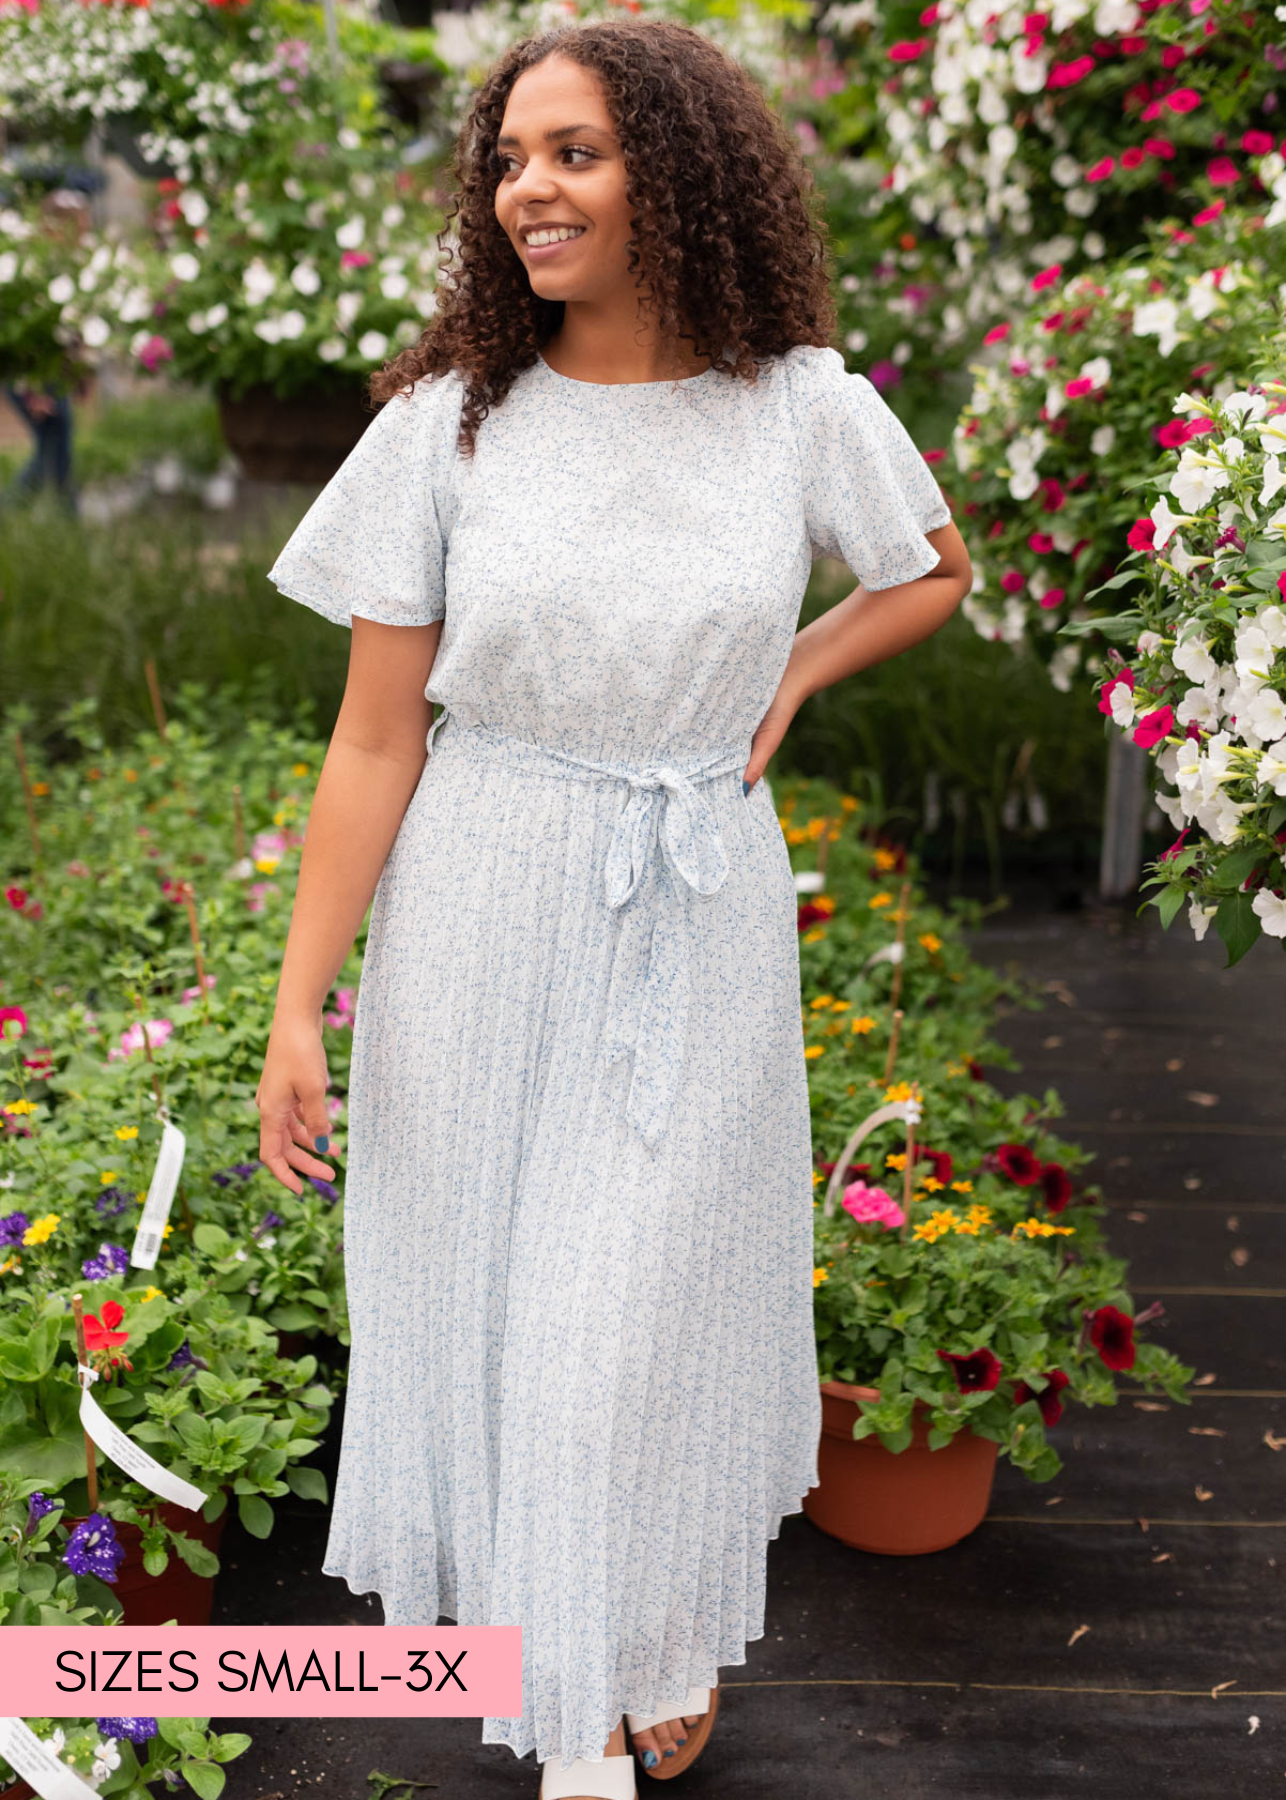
(1238, 925)
(309, 1484)
(205, 1778)
(212, 1240)
(1169, 903)
(198, 1558)
(256, 1515)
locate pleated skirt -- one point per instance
(582, 1391)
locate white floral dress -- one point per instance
(578, 1189)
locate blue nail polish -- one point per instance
(669, 1753)
(321, 1143)
(649, 1759)
(745, 787)
(681, 1740)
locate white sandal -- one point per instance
(610, 1779)
(699, 1700)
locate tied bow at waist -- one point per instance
(665, 847)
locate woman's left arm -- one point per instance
(868, 627)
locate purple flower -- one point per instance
(111, 1202)
(93, 1548)
(326, 1189)
(112, 1259)
(182, 1358)
(38, 1505)
(245, 1169)
(138, 1731)
(12, 1227)
(268, 1221)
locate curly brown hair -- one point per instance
(729, 235)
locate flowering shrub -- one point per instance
(61, 297)
(310, 268)
(1068, 418)
(1202, 689)
(1006, 140)
(128, 1759)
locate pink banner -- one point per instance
(262, 1671)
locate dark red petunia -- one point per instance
(828, 1169)
(943, 1167)
(1051, 1407)
(1018, 1162)
(1057, 1184)
(1112, 1334)
(976, 1373)
(808, 914)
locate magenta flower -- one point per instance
(132, 1038)
(1153, 726)
(872, 1206)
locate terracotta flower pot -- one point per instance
(301, 437)
(177, 1594)
(904, 1504)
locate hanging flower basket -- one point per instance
(19, 1790)
(904, 1504)
(178, 1593)
(301, 437)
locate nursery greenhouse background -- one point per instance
(1040, 900)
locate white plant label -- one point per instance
(131, 1457)
(160, 1196)
(37, 1763)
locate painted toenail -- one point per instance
(649, 1759)
(669, 1753)
(682, 1740)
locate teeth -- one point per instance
(554, 237)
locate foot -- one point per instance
(664, 1740)
(616, 1746)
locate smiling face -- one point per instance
(561, 164)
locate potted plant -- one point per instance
(109, 1756)
(953, 1325)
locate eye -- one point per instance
(567, 150)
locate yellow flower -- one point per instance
(300, 768)
(930, 1183)
(878, 900)
(40, 787)
(848, 803)
(41, 1230)
(140, 1196)
(783, 821)
(929, 1232)
(815, 1050)
(835, 1027)
(9, 1264)
(821, 1000)
(840, 1005)
(968, 1227)
(864, 1024)
(126, 1131)
(946, 1216)
(817, 1177)
(816, 827)
(899, 1090)
(815, 935)
(886, 859)
(896, 1159)
(931, 941)
(795, 836)
(151, 1293)
(956, 1068)
(963, 1187)
(266, 864)
(107, 1177)
(819, 1276)
(130, 774)
(167, 1231)
(17, 1107)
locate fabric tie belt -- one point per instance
(648, 994)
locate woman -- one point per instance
(578, 1221)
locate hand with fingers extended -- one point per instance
(291, 1097)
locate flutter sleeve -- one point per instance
(373, 543)
(869, 497)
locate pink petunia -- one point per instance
(1183, 100)
(158, 1030)
(1105, 694)
(872, 1206)
(1054, 597)
(1142, 534)
(1153, 726)
(1044, 278)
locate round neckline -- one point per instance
(612, 386)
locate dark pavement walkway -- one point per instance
(1117, 1630)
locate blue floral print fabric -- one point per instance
(578, 1196)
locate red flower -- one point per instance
(13, 1012)
(1112, 1335)
(828, 1169)
(1057, 1184)
(943, 1168)
(1018, 1162)
(1153, 726)
(101, 1334)
(1051, 1407)
(976, 1373)
(808, 914)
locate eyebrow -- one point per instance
(552, 137)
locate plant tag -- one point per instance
(37, 1763)
(131, 1457)
(160, 1195)
(893, 953)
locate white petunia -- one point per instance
(394, 286)
(1266, 717)
(1196, 480)
(216, 316)
(1121, 700)
(185, 266)
(305, 278)
(331, 349)
(61, 289)
(194, 206)
(1271, 912)
(95, 331)
(1274, 477)
(1166, 522)
(1098, 370)
(1102, 440)
(372, 346)
(1199, 917)
(1197, 704)
(350, 234)
(258, 280)
(292, 324)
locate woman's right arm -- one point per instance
(374, 762)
